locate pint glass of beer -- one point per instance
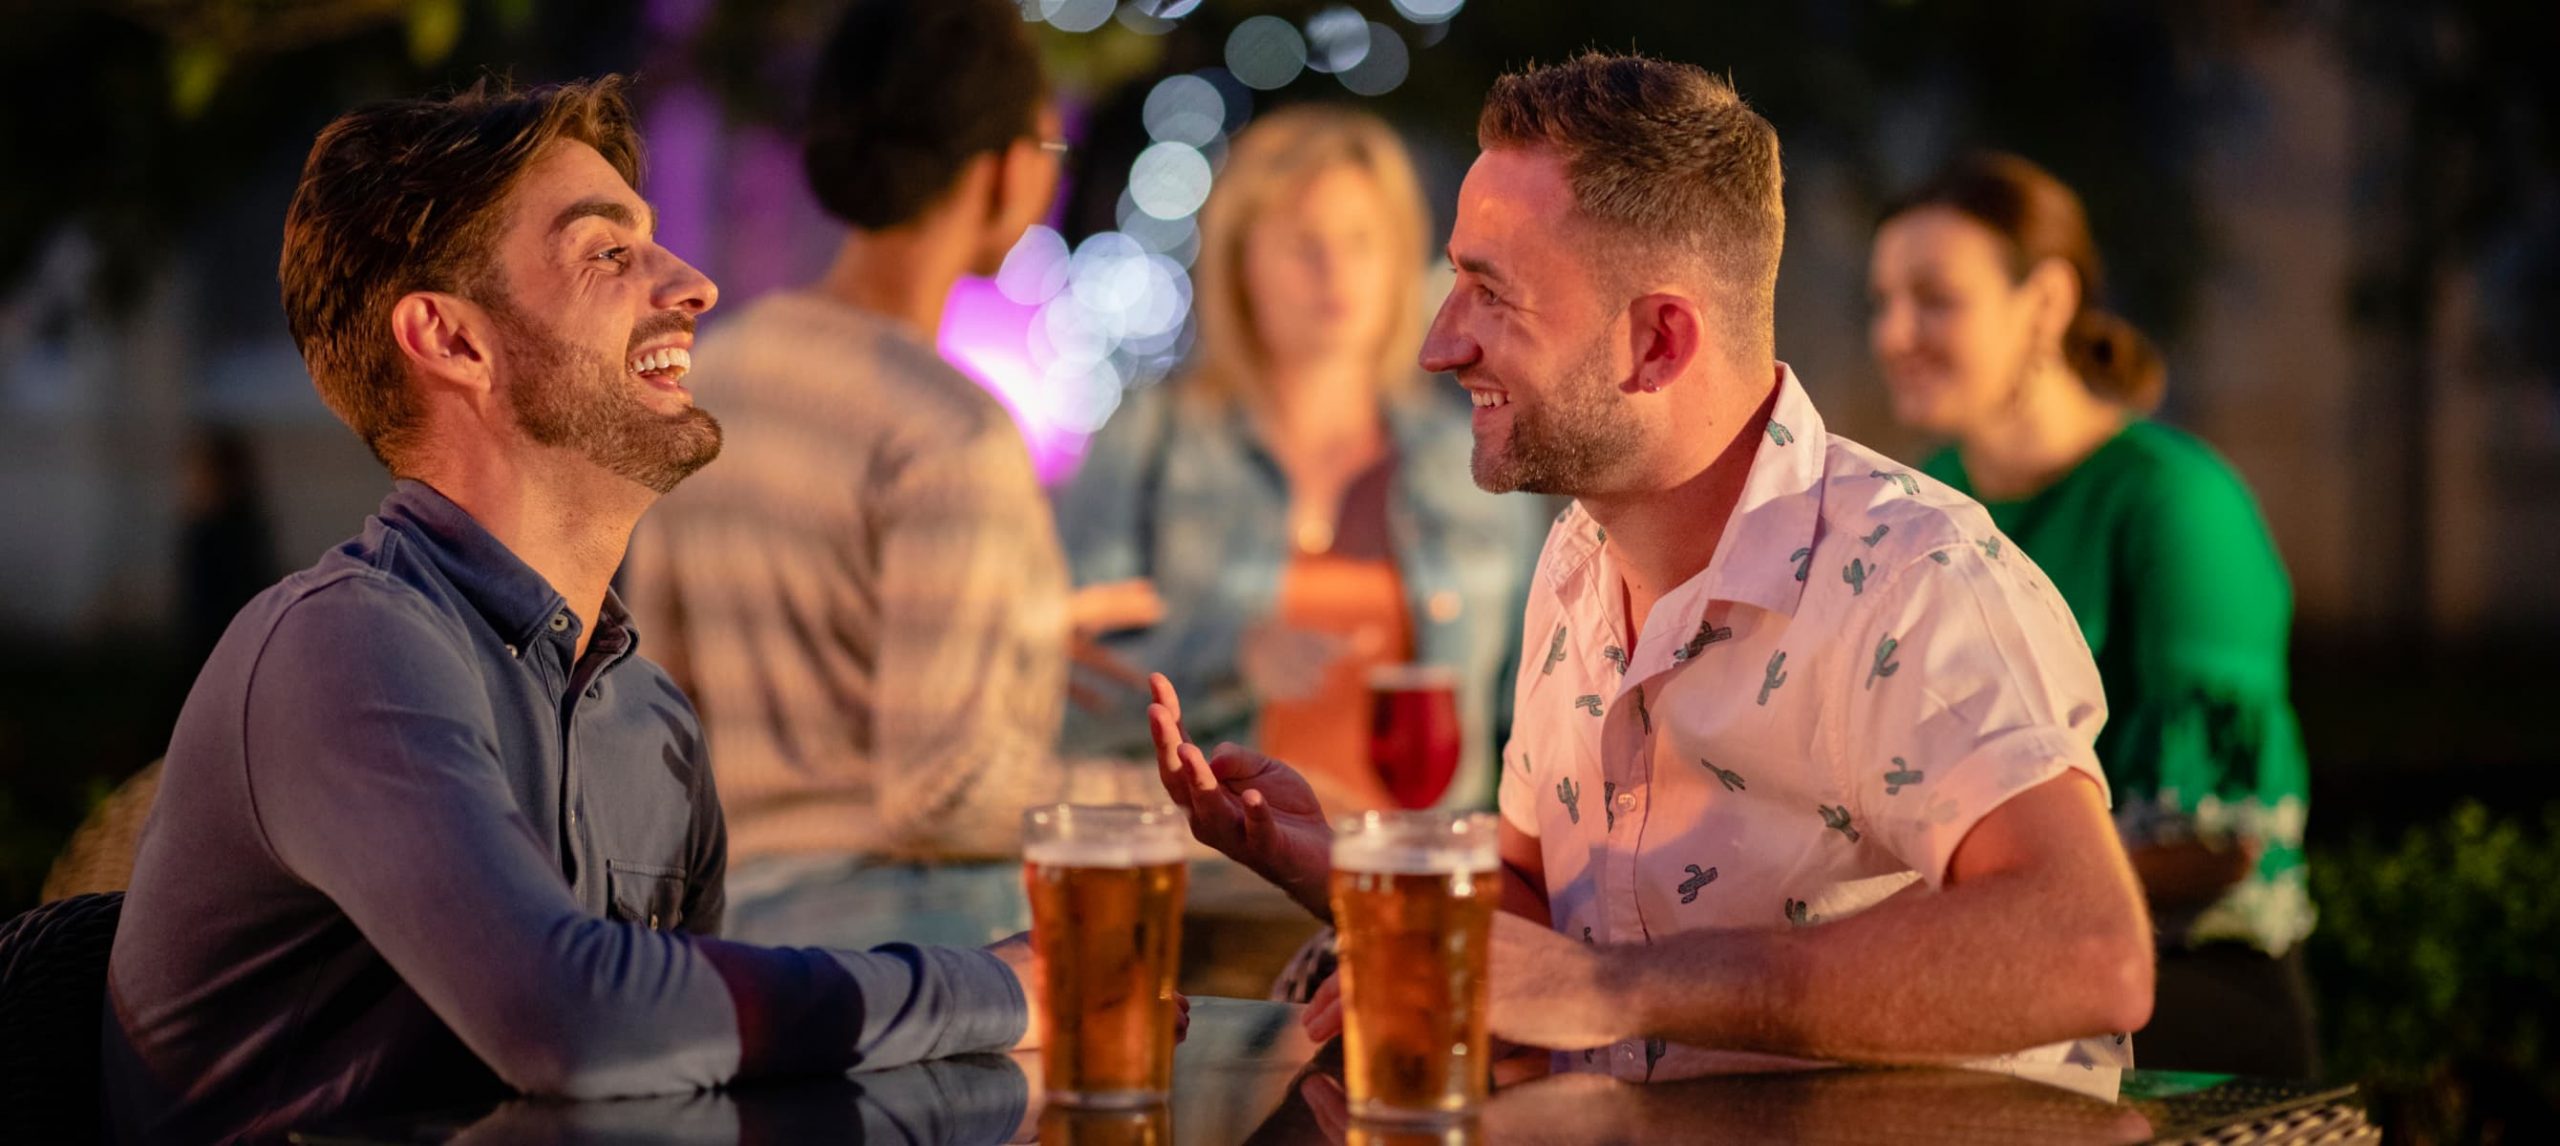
(1414, 737)
(1106, 884)
(1133, 1126)
(1413, 901)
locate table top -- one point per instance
(1247, 1074)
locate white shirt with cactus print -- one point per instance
(1809, 725)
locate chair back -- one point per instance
(53, 990)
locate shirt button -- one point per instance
(511, 651)
(1626, 801)
(573, 815)
(559, 622)
(1445, 606)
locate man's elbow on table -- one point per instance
(2117, 988)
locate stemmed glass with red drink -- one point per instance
(1413, 731)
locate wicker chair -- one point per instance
(53, 988)
(100, 855)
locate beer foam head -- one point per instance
(1104, 835)
(1416, 843)
(1137, 852)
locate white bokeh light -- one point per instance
(1035, 270)
(1337, 40)
(1076, 15)
(1169, 180)
(1081, 395)
(1383, 69)
(1266, 52)
(1184, 109)
(1066, 333)
(1428, 11)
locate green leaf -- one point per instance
(195, 73)
(434, 27)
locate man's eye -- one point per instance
(1485, 295)
(615, 255)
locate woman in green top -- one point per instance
(1985, 283)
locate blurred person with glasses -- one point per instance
(869, 605)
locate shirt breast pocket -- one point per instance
(646, 894)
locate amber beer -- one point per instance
(1413, 901)
(1142, 1126)
(1106, 885)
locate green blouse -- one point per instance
(2160, 551)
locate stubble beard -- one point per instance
(568, 398)
(1569, 442)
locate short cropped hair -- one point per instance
(1660, 153)
(906, 93)
(408, 195)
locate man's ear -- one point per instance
(446, 338)
(1669, 335)
(1021, 182)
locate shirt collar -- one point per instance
(1773, 524)
(1773, 521)
(517, 601)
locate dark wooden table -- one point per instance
(1248, 1075)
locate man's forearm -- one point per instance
(2012, 962)
(1523, 897)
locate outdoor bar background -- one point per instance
(2341, 219)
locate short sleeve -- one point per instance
(1967, 683)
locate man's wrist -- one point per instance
(1312, 888)
(1619, 993)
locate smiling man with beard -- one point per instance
(430, 829)
(1805, 770)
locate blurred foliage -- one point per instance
(2435, 970)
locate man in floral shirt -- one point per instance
(1801, 765)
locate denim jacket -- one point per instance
(1180, 490)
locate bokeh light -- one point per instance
(1169, 180)
(1428, 11)
(1185, 109)
(1337, 40)
(1266, 52)
(1036, 269)
(1076, 15)
(1062, 331)
(1384, 67)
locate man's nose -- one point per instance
(684, 288)
(1444, 348)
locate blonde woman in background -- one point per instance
(1300, 496)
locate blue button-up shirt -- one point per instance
(410, 849)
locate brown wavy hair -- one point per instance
(405, 196)
(2039, 217)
